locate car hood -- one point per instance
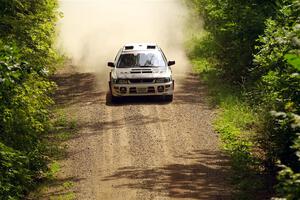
(130, 73)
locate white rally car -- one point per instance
(141, 70)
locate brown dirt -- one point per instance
(141, 148)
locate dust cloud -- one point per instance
(92, 31)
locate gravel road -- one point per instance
(141, 148)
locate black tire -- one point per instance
(169, 98)
(114, 99)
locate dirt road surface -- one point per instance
(141, 148)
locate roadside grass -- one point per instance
(67, 196)
(236, 122)
(54, 168)
(62, 130)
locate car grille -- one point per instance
(135, 90)
(148, 80)
(141, 71)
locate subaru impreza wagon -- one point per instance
(141, 70)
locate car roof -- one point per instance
(140, 47)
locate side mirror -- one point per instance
(111, 64)
(171, 62)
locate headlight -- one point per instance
(162, 80)
(122, 81)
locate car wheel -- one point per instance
(115, 99)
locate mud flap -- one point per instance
(109, 85)
(173, 85)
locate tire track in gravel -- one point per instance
(141, 148)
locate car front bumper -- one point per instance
(142, 89)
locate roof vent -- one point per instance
(151, 47)
(128, 47)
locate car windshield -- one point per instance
(141, 59)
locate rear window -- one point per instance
(141, 59)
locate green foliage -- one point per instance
(235, 126)
(256, 44)
(27, 32)
(67, 196)
(289, 185)
(53, 170)
(31, 26)
(278, 87)
(68, 185)
(62, 129)
(289, 179)
(15, 173)
(293, 60)
(234, 27)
